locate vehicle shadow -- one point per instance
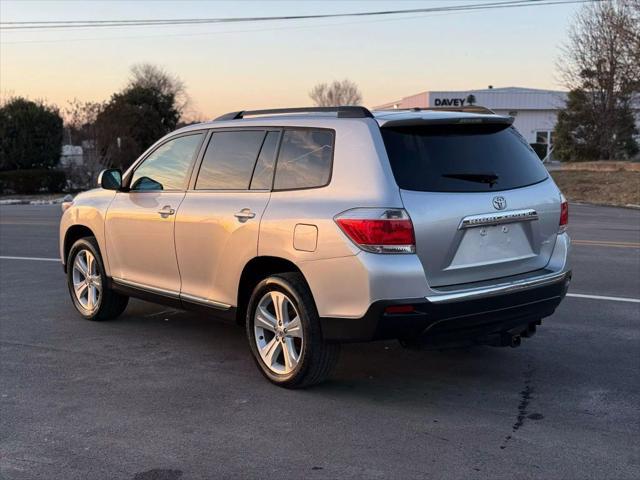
(386, 372)
(376, 371)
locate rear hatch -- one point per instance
(481, 202)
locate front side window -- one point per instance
(168, 166)
(305, 159)
(229, 160)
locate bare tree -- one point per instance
(82, 129)
(602, 59)
(6, 96)
(339, 92)
(147, 75)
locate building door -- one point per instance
(544, 137)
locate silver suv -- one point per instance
(318, 226)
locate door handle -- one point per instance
(166, 211)
(244, 215)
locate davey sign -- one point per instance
(449, 102)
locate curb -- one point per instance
(18, 201)
(629, 206)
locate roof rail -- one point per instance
(467, 109)
(342, 112)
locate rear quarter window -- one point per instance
(461, 158)
(305, 159)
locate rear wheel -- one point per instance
(284, 333)
(88, 283)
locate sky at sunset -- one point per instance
(275, 64)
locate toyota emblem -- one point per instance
(499, 203)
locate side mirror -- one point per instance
(110, 179)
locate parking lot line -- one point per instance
(38, 259)
(595, 243)
(604, 297)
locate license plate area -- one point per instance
(492, 244)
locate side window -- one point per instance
(168, 166)
(263, 173)
(305, 159)
(229, 160)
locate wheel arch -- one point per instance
(73, 234)
(256, 270)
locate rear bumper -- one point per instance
(447, 317)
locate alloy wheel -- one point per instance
(278, 332)
(87, 284)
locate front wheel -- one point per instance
(284, 333)
(88, 283)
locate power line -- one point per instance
(66, 24)
(232, 19)
(251, 30)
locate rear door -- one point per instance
(482, 203)
(218, 222)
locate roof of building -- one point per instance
(514, 90)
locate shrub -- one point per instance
(30, 135)
(39, 180)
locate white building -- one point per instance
(535, 111)
(71, 155)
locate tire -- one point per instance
(312, 358)
(96, 301)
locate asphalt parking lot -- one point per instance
(166, 395)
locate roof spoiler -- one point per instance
(467, 109)
(341, 112)
(505, 122)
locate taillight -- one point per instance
(564, 214)
(378, 230)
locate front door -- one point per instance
(139, 226)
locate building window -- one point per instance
(542, 137)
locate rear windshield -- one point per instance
(461, 158)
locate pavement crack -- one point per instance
(523, 405)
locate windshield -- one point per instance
(461, 158)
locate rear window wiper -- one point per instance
(490, 178)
